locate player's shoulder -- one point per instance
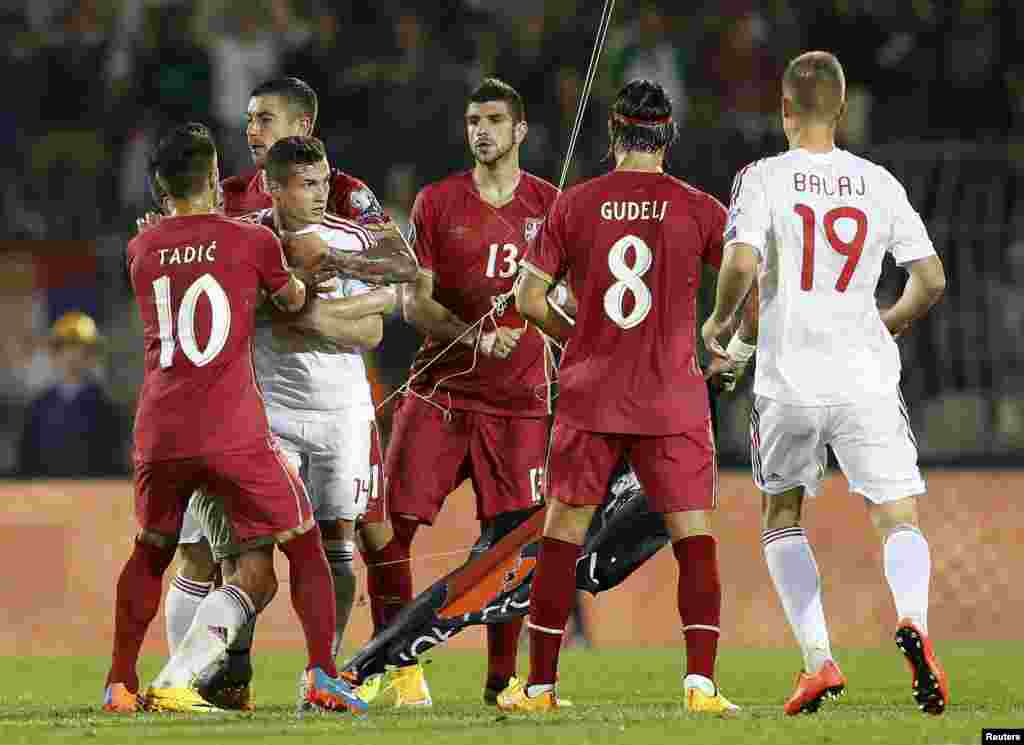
(252, 226)
(443, 191)
(539, 186)
(351, 197)
(238, 183)
(338, 227)
(873, 170)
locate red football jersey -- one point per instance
(472, 250)
(197, 279)
(631, 245)
(349, 197)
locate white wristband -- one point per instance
(739, 351)
(559, 295)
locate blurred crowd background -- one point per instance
(936, 93)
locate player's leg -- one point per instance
(226, 684)
(679, 474)
(506, 456)
(193, 582)
(788, 457)
(339, 473)
(218, 620)
(423, 465)
(580, 465)
(266, 503)
(876, 449)
(161, 493)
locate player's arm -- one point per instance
(350, 323)
(435, 320)
(912, 249)
(386, 259)
(924, 288)
(739, 269)
(532, 303)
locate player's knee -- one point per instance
(197, 563)
(254, 574)
(567, 523)
(374, 536)
(891, 516)
(781, 510)
(687, 524)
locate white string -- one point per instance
(595, 56)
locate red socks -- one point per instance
(312, 589)
(138, 597)
(700, 601)
(502, 650)
(389, 574)
(551, 600)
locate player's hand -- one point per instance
(147, 221)
(501, 342)
(710, 332)
(895, 326)
(305, 251)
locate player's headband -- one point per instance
(623, 119)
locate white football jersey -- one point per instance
(316, 378)
(822, 224)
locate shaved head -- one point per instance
(816, 85)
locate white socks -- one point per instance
(183, 598)
(216, 623)
(339, 556)
(908, 567)
(795, 574)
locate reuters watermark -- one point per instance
(1009, 736)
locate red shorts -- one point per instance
(264, 498)
(432, 452)
(377, 505)
(678, 473)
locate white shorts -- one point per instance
(331, 452)
(873, 443)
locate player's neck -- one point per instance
(497, 182)
(200, 205)
(814, 139)
(633, 160)
(285, 223)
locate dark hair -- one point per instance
(816, 84)
(641, 118)
(292, 151)
(156, 192)
(182, 161)
(299, 95)
(493, 89)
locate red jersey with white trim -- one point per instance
(349, 197)
(631, 244)
(472, 250)
(198, 280)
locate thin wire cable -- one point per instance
(595, 57)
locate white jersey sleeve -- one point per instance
(910, 240)
(749, 219)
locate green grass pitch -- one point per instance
(621, 696)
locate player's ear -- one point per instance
(521, 129)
